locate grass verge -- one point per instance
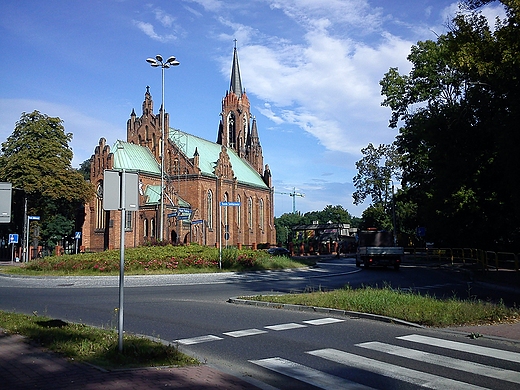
(92, 345)
(157, 260)
(413, 307)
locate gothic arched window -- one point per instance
(239, 212)
(231, 130)
(261, 214)
(100, 213)
(225, 219)
(250, 212)
(209, 208)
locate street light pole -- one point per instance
(156, 62)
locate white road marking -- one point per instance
(290, 325)
(444, 361)
(245, 332)
(198, 340)
(415, 377)
(323, 321)
(463, 347)
(308, 375)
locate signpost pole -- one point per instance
(220, 235)
(122, 261)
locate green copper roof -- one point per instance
(133, 157)
(154, 195)
(208, 155)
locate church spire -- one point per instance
(236, 82)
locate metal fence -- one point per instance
(485, 260)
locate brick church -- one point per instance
(198, 176)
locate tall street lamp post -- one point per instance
(156, 62)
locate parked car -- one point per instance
(278, 251)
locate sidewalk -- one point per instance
(24, 365)
(27, 366)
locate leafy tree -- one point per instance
(460, 109)
(334, 214)
(376, 172)
(36, 158)
(84, 169)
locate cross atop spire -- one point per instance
(236, 81)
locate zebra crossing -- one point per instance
(406, 347)
(399, 372)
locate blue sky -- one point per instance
(311, 69)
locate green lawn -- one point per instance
(421, 309)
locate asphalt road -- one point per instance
(282, 348)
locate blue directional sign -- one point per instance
(13, 238)
(225, 204)
(197, 221)
(34, 217)
(77, 235)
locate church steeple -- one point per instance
(236, 81)
(237, 128)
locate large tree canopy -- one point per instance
(459, 108)
(36, 158)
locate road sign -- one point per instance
(197, 221)
(6, 190)
(77, 235)
(180, 217)
(34, 217)
(171, 215)
(113, 190)
(13, 238)
(225, 204)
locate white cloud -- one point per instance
(165, 19)
(327, 86)
(320, 14)
(208, 5)
(149, 30)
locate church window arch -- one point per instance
(261, 214)
(100, 213)
(209, 207)
(145, 227)
(231, 130)
(250, 212)
(239, 212)
(225, 218)
(176, 167)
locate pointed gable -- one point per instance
(209, 156)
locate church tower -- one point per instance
(237, 129)
(146, 130)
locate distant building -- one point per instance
(199, 174)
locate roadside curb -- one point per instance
(325, 310)
(368, 316)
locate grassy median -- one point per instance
(413, 307)
(93, 345)
(167, 259)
